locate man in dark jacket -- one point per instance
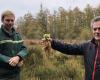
(12, 50)
(90, 50)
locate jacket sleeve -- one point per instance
(23, 51)
(4, 58)
(71, 49)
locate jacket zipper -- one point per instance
(95, 61)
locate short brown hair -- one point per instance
(6, 13)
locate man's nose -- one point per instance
(97, 30)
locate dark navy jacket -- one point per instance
(87, 49)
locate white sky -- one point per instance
(21, 7)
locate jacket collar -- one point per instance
(94, 42)
(6, 32)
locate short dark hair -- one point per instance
(6, 13)
(95, 19)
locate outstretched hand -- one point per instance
(46, 41)
(46, 37)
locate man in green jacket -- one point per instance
(12, 50)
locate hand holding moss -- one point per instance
(46, 37)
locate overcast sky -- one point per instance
(21, 7)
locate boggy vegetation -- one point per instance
(54, 65)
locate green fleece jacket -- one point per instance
(11, 44)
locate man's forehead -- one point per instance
(9, 17)
(96, 23)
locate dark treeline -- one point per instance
(62, 24)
